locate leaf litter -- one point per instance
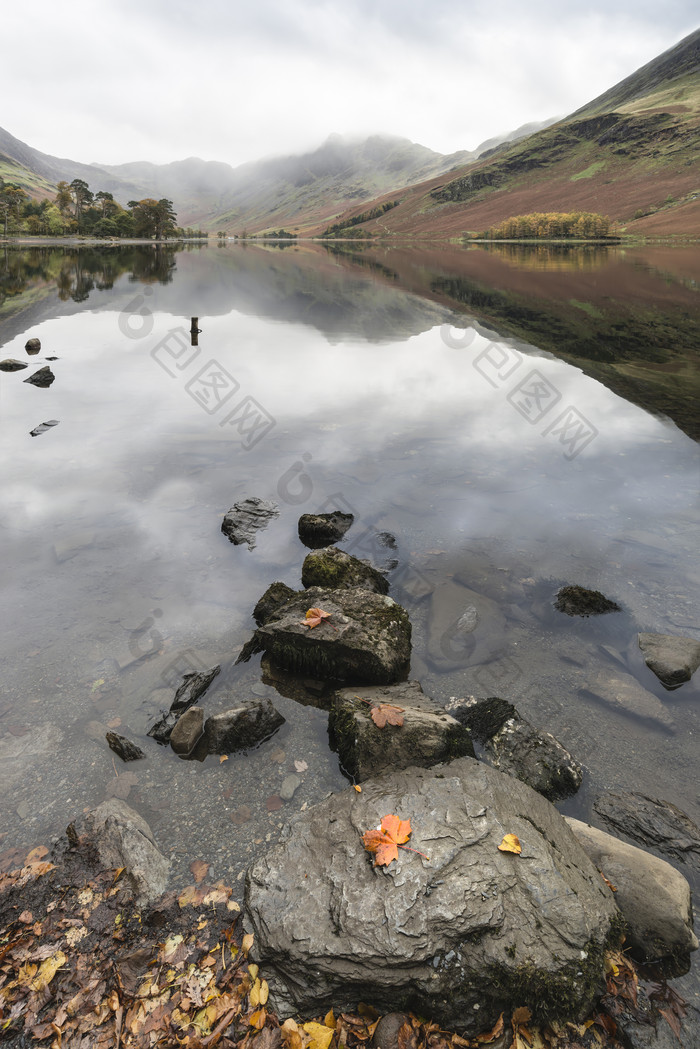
(91, 970)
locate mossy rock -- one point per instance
(334, 568)
(317, 530)
(577, 601)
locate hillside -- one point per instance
(632, 154)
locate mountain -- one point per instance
(633, 154)
(267, 194)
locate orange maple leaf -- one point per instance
(314, 616)
(511, 843)
(386, 714)
(385, 842)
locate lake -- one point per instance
(517, 419)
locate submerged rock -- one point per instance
(459, 937)
(336, 570)
(651, 821)
(577, 601)
(317, 530)
(365, 640)
(43, 377)
(465, 628)
(245, 519)
(242, 727)
(653, 897)
(427, 736)
(10, 365)
(193, 686)
(672, 658)
(624, 693)
(515, 746)
(124, 747)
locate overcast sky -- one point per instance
(121, 80)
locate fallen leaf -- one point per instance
(47, 971)
(274, 802)
(223, 758)
(232, 906)
(511, 843)
(385, 841)
(257, 1019)
(357, 787)
(613, 888)
(329, 1020)
(321, 1036)
(26, 917)
(300, 766)
(37, 854)
(199, 870)
(314, 617)
(387, 714)
(493, 1034)
(247, 942)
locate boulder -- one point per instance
(123, 747)
(276, 595)
(244, 520)
(335, 570)
(32, 346)
(577, 601)
(365, 640)
(652, 896)
(317, 530)
(460, 936)
(43, 377)
(623, 693)
(124, 839)
(242, 727)
(10, 365)
(427, 735)
(651, 821)
(672, 658)
(193, 686)
(187, 731)
(514, 746)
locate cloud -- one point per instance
(164, 81)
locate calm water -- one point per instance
(405, 386)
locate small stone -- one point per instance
(317, 530)
(241, 728)
(276, 595)
(245, 519)
(187, 731)
(123, 747)
(290, 784)
(337, 570)
(577, 601)
(32, 346)
(43, 377)
(11, 365)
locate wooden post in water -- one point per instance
(194, 331)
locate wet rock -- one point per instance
(290, 785)
(193, 686)
(187, 731)
(317, 530)
(245, 519)
(427, 736)
(465, 629)
(43, 427)
(10, 365)
(310, 691)
(276, 595)
(336, 570)
(651, 822)
(643, 1026)
(516, 747)
(624, 693)
(386, 1033)
(43, 377)
(366, 640)
(32, 346)
(459, 937)
(124, 839)
(379, 548)
(577, 601)
(672, 658)
(123, 747)
(653, 897)
(242, 727)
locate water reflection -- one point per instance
(118, 578)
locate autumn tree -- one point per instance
(153, 218)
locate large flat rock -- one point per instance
(457, 937)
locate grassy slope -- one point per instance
(35, 185)
(638, 162)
